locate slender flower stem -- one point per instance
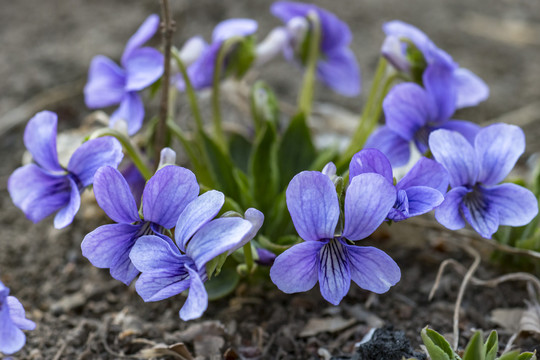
(130, 149)
(216, 86)
(198, 161)
(167, 30)
(370, 114)
(305, 98)
(248, 255)
(192, 96)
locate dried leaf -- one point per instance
(331, 325)
(508, 319)
(178, 351)
(204, 328)
(530, 320)
(209, 347)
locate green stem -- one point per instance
(203, 175)
(248, 255)
(130, 149)
(305, 99)
(192, 97)
(370, 114)
(216, 86)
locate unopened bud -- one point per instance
(167, 157)
(392, 50)
(192, 49)
(271, 46)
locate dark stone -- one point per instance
(386, 344)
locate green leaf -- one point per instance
(224, 284)
(475, 348)
(213, 267)
(221, 167)
(296, 151)
(437, 346)
(263, 168)
(264, 105)
(241, 57)
(527, 356)
(245, 197)
(240, 148)
(512, 355)
(492, 346)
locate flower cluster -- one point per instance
(44, 187)
(174, 231)
(109, 84)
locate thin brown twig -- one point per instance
(167, 30)
(517, 276)
(475, 237)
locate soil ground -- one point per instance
(45, 49)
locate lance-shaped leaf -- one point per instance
(263, 168)
(296, 152)
(437, 346)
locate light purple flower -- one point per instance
(474, 174)
(165, 196)
(45, 187)
(418, 192)
(12, 321)
(109, 84)
(167, 269)
(337, 67)
(412, 112)
(470, 89)
(326, 255)
(201, 72)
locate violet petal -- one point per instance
(93, 154)
(197, 300)
(370, 161)
(448, 213)
(167, 194)
(498, 147)
(368, 200)
(297, 268)
(40, 140)
(131, 110)
(313, 204)
(106, 83)
(143, 68)
(516, 205)
(334, 272)
(196, 214)
(114, 196)
(372, 269)
(462, 165)
(391, 144)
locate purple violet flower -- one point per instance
(167, 269)
(165, 196)
(12, 321)
(475, 172)
(201, 71)
(337, 67)
(327, 255)
(418, 192)
(42, 188)
(109, 84)
(470, 89)
(412, 112)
